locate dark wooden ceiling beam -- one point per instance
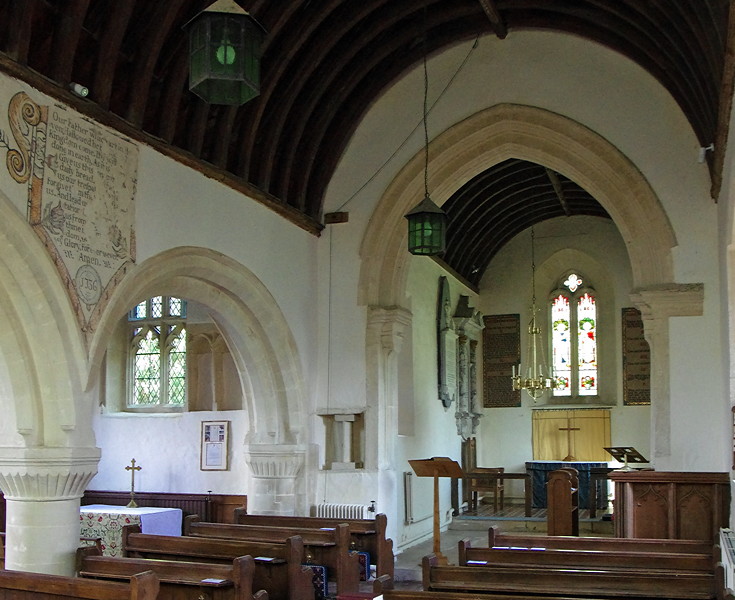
(110, 42)
(20, 29)
(66, 39)
(298, 102)
(289, 39)
(197, 128)
(727, 88)
(496, 20)
(146, 57)
(558, 190)
(222, 137)
(171, 99)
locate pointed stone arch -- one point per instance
(524, 132)
(528, 133)
(249, 318)
(42, 352)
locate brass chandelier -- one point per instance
(533, 376)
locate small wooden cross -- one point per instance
(132, 468)
(569, 429)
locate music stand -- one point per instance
(438, 466)
(626, 454)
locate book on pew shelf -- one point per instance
(476, 562)
(213, 580)
(265, 558)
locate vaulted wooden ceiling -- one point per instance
(324, 63)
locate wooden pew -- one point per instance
(329, 546)
(368, 535)
(179, 580)
(383, 586)
(279, 567)
(498, 539)
(616, 583)
(582, 559)
(20, 585)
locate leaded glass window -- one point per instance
(561, 345)
(573, 318)
(158, 353)
(587, 345)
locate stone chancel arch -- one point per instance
(516, 131)
(509, 131)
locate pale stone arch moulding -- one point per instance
(42, 350)
(517, 131)
(248, 316)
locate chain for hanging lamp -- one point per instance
(533, 375)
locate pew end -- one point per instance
(82, 552)
(462, 546)
(382, 584)
(144, 586)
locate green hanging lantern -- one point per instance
(224, 54)
(427, 228)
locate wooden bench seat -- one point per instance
(367, 535)
(179, 580)
(279, 570)
(498, 539)
(639, 583)
(327, 546)
(383, 586)
(20, 585)
(583, 559)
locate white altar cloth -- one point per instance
(105, 522)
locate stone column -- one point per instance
(657, 304)
(386, 328)
(275, 471)
(42, 488)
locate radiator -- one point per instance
(342, 511)
(727, 546)
(408, 497)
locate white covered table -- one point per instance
(106, 522)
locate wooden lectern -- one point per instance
(626, 454)
(438, 466)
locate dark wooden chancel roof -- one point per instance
(324, 63)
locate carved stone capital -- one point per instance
(387, 325)
(275, 461)
(45, 474)
(669, 300)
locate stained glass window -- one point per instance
(158, 353)
(561, 345)
(573, 320)
(587, 345)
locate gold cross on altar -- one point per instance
(132, 468)
(569, 429)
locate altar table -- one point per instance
(106, 522)
(540, 469)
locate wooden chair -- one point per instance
(480, 480)
(486, 480)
